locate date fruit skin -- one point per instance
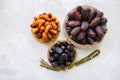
(63, 47)
(92, 14)
(103, 21)
(91, 33)
(68, 63)
(39, 35)
(65, 56)
(75, 14)
(65, 43)
(75, 31)
(70, 47)
(73, 23)
(51, 52)
(84, 26)
(104, 28)
(55, 64)
(58, 50)
(81, 35)
(90, 40)
(58, 44)
(99, 31)
(56, 56)
(99, 14)
(51, 59)
(79, 8)
(69, 29)
(98, 39)
(85, 13)
(95, 22)
(61, 59)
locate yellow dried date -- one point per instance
(46, 17)
(54, 26)
(35, 30)
(45, 27)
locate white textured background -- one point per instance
(20, 52)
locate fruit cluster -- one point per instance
(61, 54)
(45, 27)
(86, 25)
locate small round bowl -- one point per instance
(72, 41)
(44, 20)
(58, 67)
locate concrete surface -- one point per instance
(20, 53)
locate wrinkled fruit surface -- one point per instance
(61, 54)
(86, 25)
(45, 27)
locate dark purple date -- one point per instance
(75, 31)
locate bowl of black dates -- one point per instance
(61, 54)
(85, 26)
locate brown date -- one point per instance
(99, 31)
(85, 13)
(104, 28)
(99, 14)
(103, 21)
(81, 35)
(73, 23)
(95, 22)
(91, 15)
(84, 26)
(79, 8)
(91, 33)
(75, 14)
(75, 31)
(90, 40)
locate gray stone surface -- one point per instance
(20, 52)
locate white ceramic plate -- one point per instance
(20, 53)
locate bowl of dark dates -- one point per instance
(61, 54)
(85, 26)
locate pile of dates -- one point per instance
(86, 25)
(61, 54)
